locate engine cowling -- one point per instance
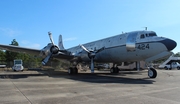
(49, 49)
(83, 56)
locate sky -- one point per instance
(82, 21)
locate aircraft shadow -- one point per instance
(122, 77)
(18, 76)
(108, 78)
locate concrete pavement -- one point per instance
(54, 87)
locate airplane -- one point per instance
(132, 46)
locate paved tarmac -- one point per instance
(127, 87)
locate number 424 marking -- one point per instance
(143, 46)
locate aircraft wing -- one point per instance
(20, 49)
(60, 55)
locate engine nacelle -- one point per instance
(49, 49)
(84, 56)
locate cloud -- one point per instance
(9, 32)
(70, 39)
(28, 44)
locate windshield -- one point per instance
(17, 62)
(152, 34)
(142, 36)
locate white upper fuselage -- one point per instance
(126, 47)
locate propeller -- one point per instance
(49, 50)
(46, 59)
(91, 54)
(50, 36)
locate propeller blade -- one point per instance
(50, 36)
(45, 60)
(92, 55)
(92, 65)
(84, 48)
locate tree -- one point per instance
(14, 42)
(10, 56)
(177, 54)
(2, 57)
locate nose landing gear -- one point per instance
(152, 73)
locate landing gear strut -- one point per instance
(152, 73)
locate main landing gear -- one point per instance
(152, 73)
(114, 70)
(72, 70)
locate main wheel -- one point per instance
(114, 70)
(72, 70)
(75, 70)
(152, 73)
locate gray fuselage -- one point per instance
(126, 47)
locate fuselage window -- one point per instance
(142, 36)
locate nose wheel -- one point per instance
(152, 73)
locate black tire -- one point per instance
(114, 70)
(111, 70)
(75, 70)
(152, 73)
(178, 68)
(165, 68)
(72, 70)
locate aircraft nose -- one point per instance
(170, 44)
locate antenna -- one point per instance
(145, 28)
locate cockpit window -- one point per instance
(152, 34)
(142, 36)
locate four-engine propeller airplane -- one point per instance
(126, 47)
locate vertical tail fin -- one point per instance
(60, 43)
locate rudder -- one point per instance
(60, 43)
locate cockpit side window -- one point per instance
(142, 36)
